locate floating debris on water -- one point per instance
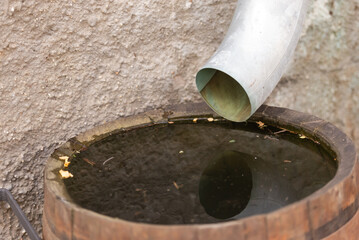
(281, 131)
(232, 141)
(64, 158)
(302, 136)
(195, 120)
(261, 125)
(65, 174)
(210, 119)
(270, 138)
(66, 163)
(107, 160)
(88, 161)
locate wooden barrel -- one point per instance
(329, 213)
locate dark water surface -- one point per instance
(202, 172)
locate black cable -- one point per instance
(6, 196)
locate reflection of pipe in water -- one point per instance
(252, 57)
(225, 186)
(236, 185)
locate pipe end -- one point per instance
(223, 94)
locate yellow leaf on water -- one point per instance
(302, 136)
(195, 120)
(66, 163)
(65, 174)
(261, 125)
(210, 119)
(64, 158)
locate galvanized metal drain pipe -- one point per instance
(248, 64)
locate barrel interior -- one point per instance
(197, 170)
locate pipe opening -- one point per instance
(223, 94)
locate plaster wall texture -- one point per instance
(68, 65)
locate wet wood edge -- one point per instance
(335, 139)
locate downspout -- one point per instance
(253, 56)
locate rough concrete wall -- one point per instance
(323, 78)
(67, 65)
